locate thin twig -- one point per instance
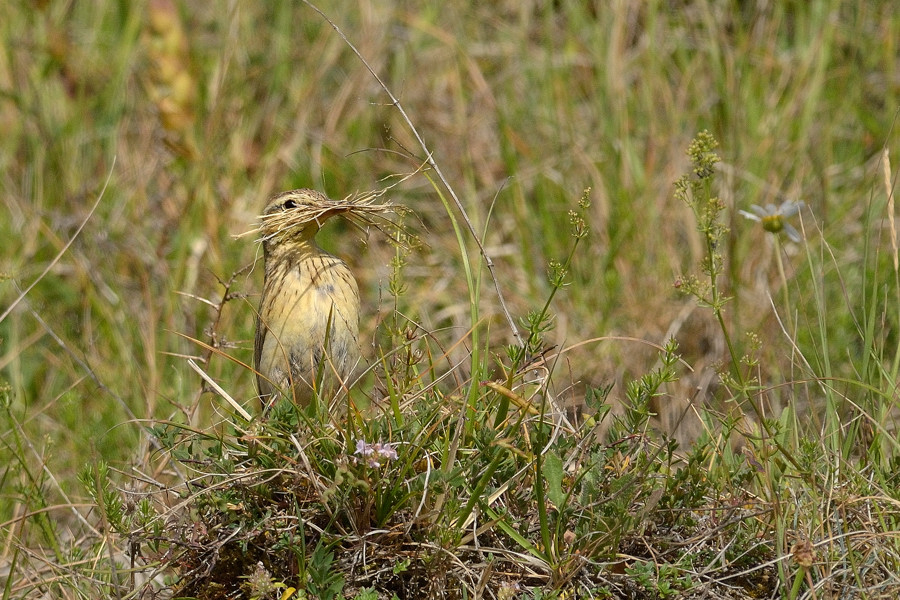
(433, 164)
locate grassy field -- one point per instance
(649, 393)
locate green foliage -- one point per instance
(666, 581)
(95, 479)
(323, 581)
(368, 594)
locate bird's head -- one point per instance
(298, 215)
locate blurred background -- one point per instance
(179, 119)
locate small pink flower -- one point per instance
(363, 448)
(374, 453)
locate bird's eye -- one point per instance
(289, 204)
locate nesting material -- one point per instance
(364, 211)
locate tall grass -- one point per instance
(179, 121)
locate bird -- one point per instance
(307, 326)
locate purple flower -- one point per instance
(363, 448)
(386, 451)
(374, 453)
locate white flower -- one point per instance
(773, 217)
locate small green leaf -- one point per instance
(553, 473)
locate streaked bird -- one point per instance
(307, 327)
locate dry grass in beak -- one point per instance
(363, 213)
(361, 210)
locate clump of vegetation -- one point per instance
(450, 479)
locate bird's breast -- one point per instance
(310, 309)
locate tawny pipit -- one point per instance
(307, 329)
